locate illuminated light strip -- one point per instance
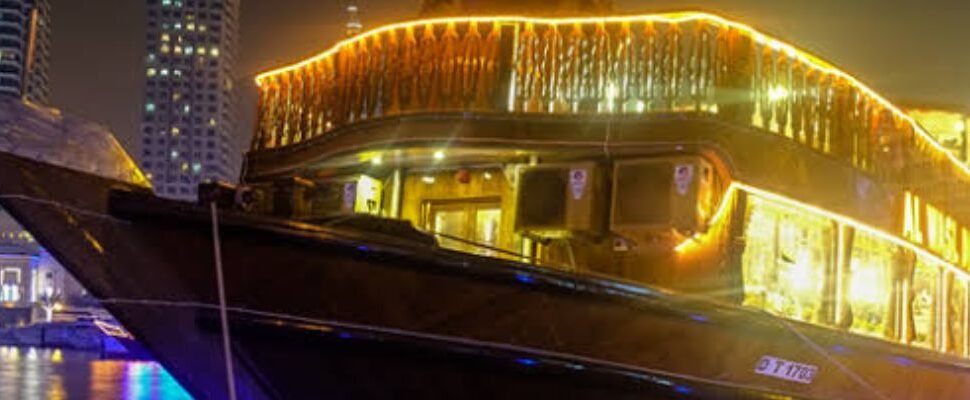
(808, 59)
(964, 275)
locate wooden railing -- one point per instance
(631, 66)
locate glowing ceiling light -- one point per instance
(439, 155)
(959, 126)
(427, 179)
(376, 160)
(487, 175)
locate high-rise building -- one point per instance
(353, 26)
(188, 115)
(25, 45)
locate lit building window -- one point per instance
(166, 37)
(214, 52)
(164, 48)
(957, 319)
(925, 284)
(10, 289)
(785, 259)
(164, 72)
(188, 50)
(151, 72)
(174, 154)
(186, 108)
(178, 25)
(870, 285)
(190, 26)
(150, 107)
(196, 168)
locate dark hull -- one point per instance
(320, 312)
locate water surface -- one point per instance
(34, 373)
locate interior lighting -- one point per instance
(427, 179)
(376, 160)
(959, 126)
(867, 283)
(487, 175)
(439, 155)
(809, 60)
(762, 194)
(878, 233)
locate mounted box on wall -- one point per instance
(558, 198)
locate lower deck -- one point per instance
(677, 220)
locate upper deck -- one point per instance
(788, 121)
(630, 67)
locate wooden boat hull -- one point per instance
(348, 313)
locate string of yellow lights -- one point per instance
(790, 50)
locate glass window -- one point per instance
(10, 290)
(471, 227)
(870, 285)
(925, 281)
(487, 223)
(784, 261)
(957, 318)
(450, 224)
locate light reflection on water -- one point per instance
(30, 373)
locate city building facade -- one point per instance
(25, 43)
(188, 115)
(31, 280)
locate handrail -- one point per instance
(630, 65)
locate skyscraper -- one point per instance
(189, 113)
(25, 43)
(353, 26)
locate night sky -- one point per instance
(908, 50)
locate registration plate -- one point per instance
(784, 369)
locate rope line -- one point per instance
(576, 358)
(223, 316)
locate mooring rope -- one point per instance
(226, 347)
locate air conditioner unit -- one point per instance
(662, 193)
(557, 198)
